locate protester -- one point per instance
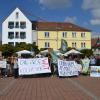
(92, 61)
(85, 65)
(16, 68)
(3, 67)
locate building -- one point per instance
(96, 46)
(18, 28)
(50, 35)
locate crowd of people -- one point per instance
(12, 64)
(10, 67)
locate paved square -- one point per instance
(50, 88)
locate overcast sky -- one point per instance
(85, 13)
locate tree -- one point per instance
(87, 52)
(7, 50)
(35, 48)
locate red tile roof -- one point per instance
(60, 26)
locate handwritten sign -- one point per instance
(33, 66)
(95, 71)
(3, 64)
(67, 68)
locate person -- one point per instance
(92, 61)
(85, 65)
(16, 68)
(49, 61)
(3, 67)
(12, 58)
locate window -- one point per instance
(11, 43)
(10, 35)
(16, 43)
(16, 34)
(17, 25)
(47, 44)
(82, 34)
(64, 35)
(83, 45)
(10, 25)
(22, 25)
(74, 45)
(22, 35)
(17, 15)
(46, 34)
(73, 34)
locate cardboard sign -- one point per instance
(33, 66)
(67, 68)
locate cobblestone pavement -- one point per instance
(50, 88)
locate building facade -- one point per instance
(96, 46)
(18, 28)
(51, 33)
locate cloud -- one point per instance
(91, 4)
(95, 21)
(55, 4)
(94, 7)
(71, 19)
(96, 13)
(95, 34)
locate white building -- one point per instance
(17, 28)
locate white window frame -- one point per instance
(47, 45)
(74, 34)
(17, 15)
(83, 45)
(74, 45)
(83, 34)
(64, 34)
(46, 34)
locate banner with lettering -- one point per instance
(33, 66)
(95, 71)
(67, 68)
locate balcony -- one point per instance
(11, 26)
(23, 26)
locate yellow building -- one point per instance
(49, 35)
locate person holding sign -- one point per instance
(15, 68)
(85, 65)
(92, 61)
(3, 67)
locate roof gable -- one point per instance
(12, 14)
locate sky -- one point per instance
(85, 13)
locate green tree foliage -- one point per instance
(20, 46)
(24, 46)
(7, 50)
(87, 52)
(34, 48)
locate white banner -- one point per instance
(95, 71)
(3, 63)
(33, 66)
(67, 68)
